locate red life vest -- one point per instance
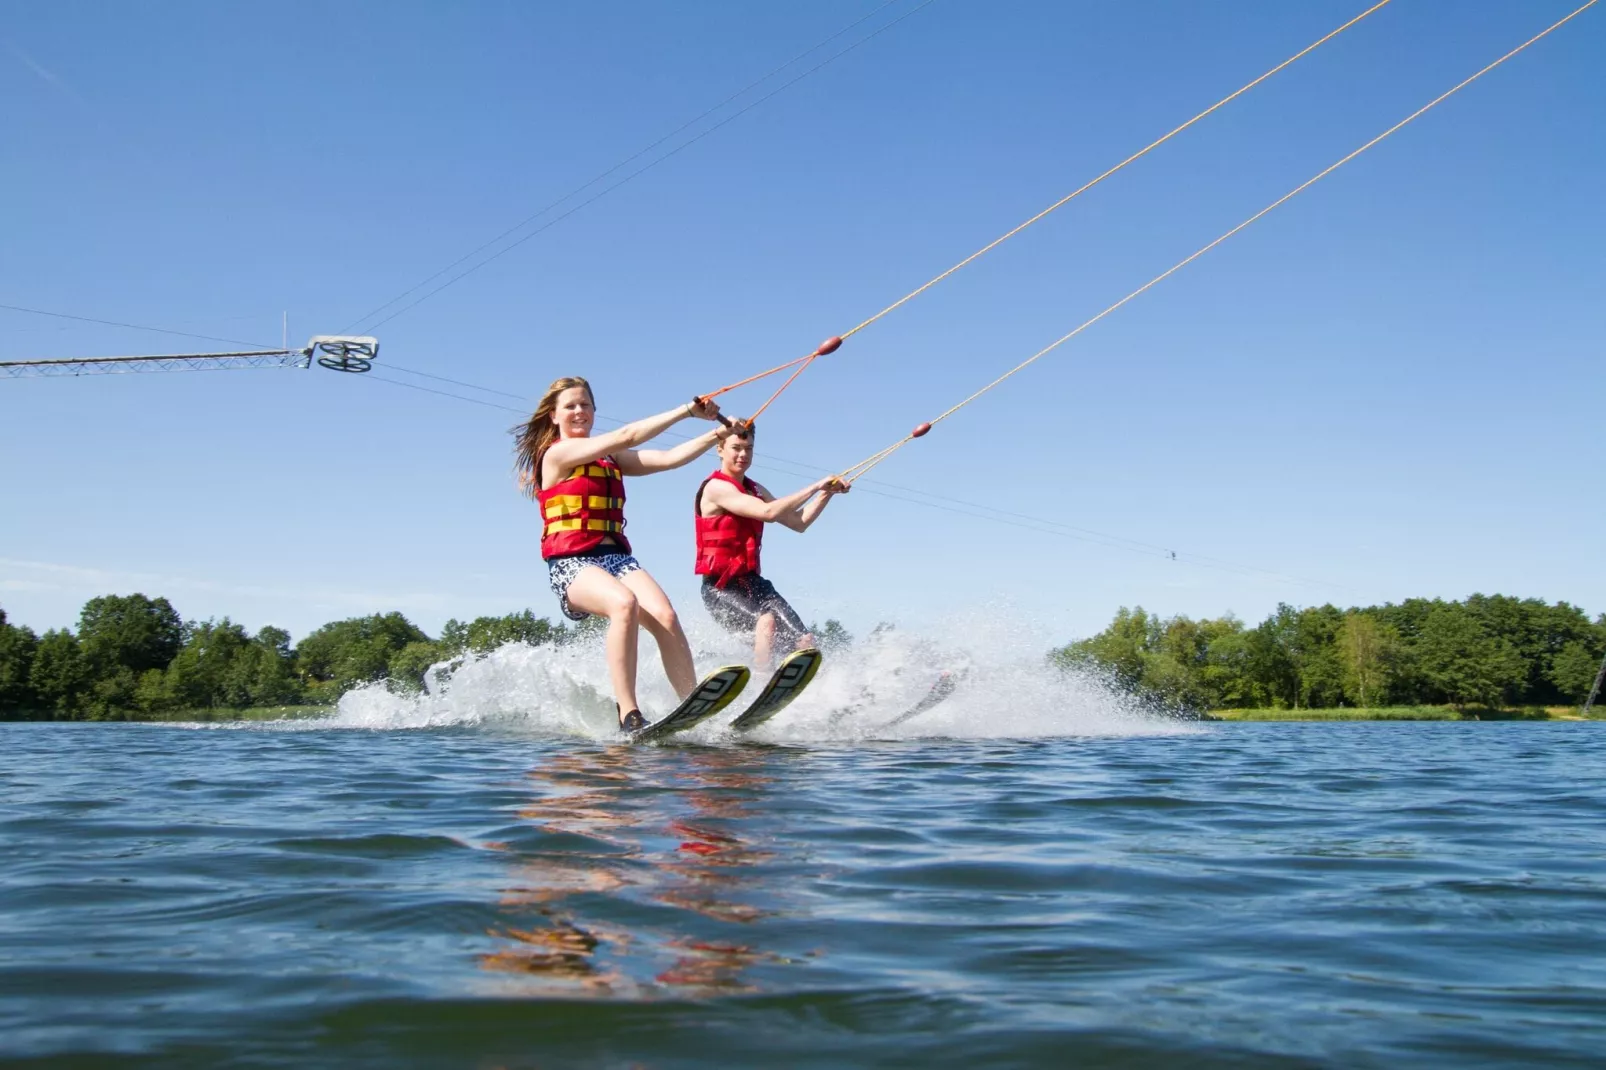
(582, 509)
(727, 545)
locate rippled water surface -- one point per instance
(1231, 895)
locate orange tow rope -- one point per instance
(853, 473)
(830, 345)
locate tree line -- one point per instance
(133, 657)
(1489, 650)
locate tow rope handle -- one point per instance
(737, 425)
(830, 345)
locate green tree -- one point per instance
(1174, 665)
(111, 694)
(152, 693)
(1119, 649)
(61, 675)
(1492, 649)
(454, 636)
(484, 634)
(411, 664)
(1368, 650)
(1410, 682)
(121, 637)
(208, 671)
(343, 654)
(17, 648)
(1181, 661)
(831, 635)
(1227, 680)
(1537, 632)
(1463, 663)
(1272, 658)
(1321, 669)
(265, 672)
(1573, 669)
(129, 631)
(220, 666)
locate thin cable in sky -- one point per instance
(457, 382)
(649, 165)
(953, 505)
(582, 187)
(1052, 527)
(921, 430)
(131, 326)
(443, 393)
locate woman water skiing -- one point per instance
(578, 480)
(731, 511)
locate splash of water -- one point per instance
(1006, 689)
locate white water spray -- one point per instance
(1006, 689)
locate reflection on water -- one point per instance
(1258, 897)
(618, 824)
(712, 868)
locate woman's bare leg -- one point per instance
(594, 591)
(658, 617)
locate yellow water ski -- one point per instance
(707, 698)
(791, 677)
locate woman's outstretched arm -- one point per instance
(646, 462)
(570, 452)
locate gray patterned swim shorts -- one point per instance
(738, 605)
(561, 572)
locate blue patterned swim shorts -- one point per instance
(561, 572)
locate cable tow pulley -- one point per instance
(344, 353)
(341, 353)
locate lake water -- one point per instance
(1122, 893)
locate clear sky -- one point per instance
(1390, 387)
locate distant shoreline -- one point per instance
(1410, 713)
(1381, 713)
(201, 716)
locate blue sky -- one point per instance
(1389, 387)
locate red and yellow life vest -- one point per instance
(582, 509)
(727, 545)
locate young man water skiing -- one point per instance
(731, 511)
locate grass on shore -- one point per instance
(1405, 713)
(255, 713)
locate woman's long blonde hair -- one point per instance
(532, 438)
